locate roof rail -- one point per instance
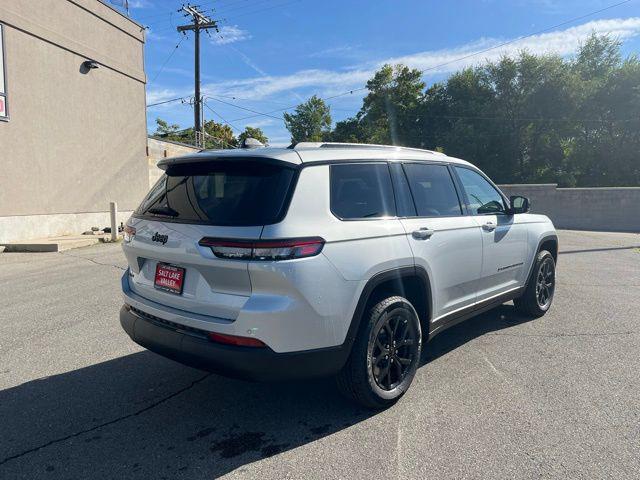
(301, 145)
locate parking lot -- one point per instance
(497, 397)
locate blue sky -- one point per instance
(272, 54)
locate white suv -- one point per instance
(325, 259)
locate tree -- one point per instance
(218, 135)
(310, 122)
(598, 57)
(163, 127)
(351, 130)
(253, 132)
(525, 118)
(388, 111)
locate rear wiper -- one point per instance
(166, 211)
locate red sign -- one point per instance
(169, 278)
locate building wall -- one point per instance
(604, 209)
(159, 149)
(75, 139)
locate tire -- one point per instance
(538, 294)
(378, 372)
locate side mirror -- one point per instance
(518, 204)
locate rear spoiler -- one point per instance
(235, 155)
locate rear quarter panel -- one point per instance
(357, 250)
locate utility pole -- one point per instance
(200, 22)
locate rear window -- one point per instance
(361, 191)
(238, 193)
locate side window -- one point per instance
(361, 191)
(433, 191)
(404, 202)
(483, 198)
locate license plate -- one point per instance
(169, 278)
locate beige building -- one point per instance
(72, 116)
(157, 149)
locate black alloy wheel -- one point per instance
(394, 350)
(545, 283)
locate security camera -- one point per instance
(90, 64)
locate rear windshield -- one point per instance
(237, 193)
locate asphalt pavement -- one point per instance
(498, 396)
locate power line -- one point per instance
(244, 108)
(503, 44)
(242, 14)
(263, 9)
(155, 15)
(233, 97)
(200, 22)
(167, 59)
(221, 117)
(221, 11)
(518, 119)
(349, 92)
(538, 32)
(167, 101)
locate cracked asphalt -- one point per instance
(497, 396)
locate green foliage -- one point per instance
(388, 111)
(253, 132)
(163, 128)
(532, 118)
(350, 130)
(217, 135)
(311, 121)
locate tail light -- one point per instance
(129, 233)
(235, 340)
(286, 249)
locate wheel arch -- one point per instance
(411, 282)
(549, 243)
(546, 242)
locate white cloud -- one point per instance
(140, 4)
(556, 7)
(247, 61)
(261, 123)
(333, 52)
(280, 141)
(231, 34)
(436, 62)
(561, 42)
(156, 96)
(271, 85)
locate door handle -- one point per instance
(489, 227)
(422, 233)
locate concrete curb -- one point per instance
(49, 244)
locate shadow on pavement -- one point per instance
(499, 318)
(141, 416)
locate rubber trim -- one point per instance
(379, 279)
(544, 238)
(471, 311)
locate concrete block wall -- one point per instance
(603, 209)
(159, 149)
(26, 227)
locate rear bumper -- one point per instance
(192, 348)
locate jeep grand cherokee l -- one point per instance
(325, 259)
